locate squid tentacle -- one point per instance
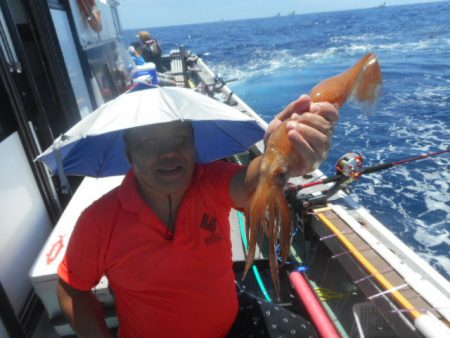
(285, 225)
(255, 220)
(273, 264)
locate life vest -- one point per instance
(91, 14)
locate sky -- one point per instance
(158, 13)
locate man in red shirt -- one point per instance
(163, 237)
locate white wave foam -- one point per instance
(266, 61)
(437, 94)
(431, 238)
(362, 37)
(370, 40)
(438, 261)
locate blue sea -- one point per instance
(274, 60)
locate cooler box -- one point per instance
(43, 273)
(146, 73)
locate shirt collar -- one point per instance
(129, 194)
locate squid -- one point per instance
(267, 211)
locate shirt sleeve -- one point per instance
(219, 175)
(81, 266)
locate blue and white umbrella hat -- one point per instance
(95, 146)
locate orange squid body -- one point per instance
(267, 211)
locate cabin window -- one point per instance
(109, 65)
(72, 61)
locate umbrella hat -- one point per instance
(95, 146)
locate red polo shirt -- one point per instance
(163, 288)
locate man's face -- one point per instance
(163, 157)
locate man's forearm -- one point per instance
(83, 312)
(244, 183)
(252, 174)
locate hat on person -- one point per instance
(144, 35)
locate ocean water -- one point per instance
(274, 60)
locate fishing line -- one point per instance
(349, 251)
(421, 309)
(399, 287)
(334, 235)
(372, 275)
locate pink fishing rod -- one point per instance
(317, 312)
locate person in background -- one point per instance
(135, 50)
(151, 50)
(163, 240)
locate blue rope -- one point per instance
(302, 268)
(254, 268)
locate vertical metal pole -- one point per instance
(184, 66)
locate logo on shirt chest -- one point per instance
(209, 223)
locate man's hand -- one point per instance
(310, 130)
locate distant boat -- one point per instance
(277, 15)
(291, 13)
(382, 5)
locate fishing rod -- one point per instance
(348, 169)
(350, 166)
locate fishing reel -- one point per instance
(350, 165)
(348, 169)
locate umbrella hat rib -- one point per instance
(172, 106)
(113, 162)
